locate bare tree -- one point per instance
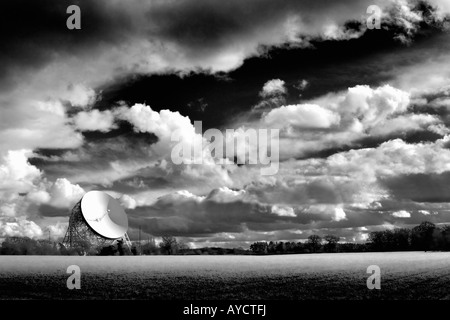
(331, 244)
(169, 245)
(314, 242)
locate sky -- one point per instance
(363, 116)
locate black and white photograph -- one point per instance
(225, 154)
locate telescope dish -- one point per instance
(104, 214)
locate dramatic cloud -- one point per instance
(352, 159)
(343, 118)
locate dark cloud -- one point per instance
(95, 156)
(166, 55)
(420, 187)
(35, 33)
(197, 28)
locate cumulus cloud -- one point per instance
(79, 95)
(38, 196)
(283, 211)
(370, 107)
(177, 138)
(95, 120)
(401, 214)
(127, 201)
(19, 228)
(339, 214)
(29, 124)
(273, 94)
(224, 194)
(16, 173)
(64, 194)
(48, 90)
(402, 14)
(181, 36)
(163, 124)
(409, 123)
(272, 88)
(392, 158)
(344, 118)
(22, 227)
(301, 116)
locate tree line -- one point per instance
(167, 246)
(314, 244)
(424, 237)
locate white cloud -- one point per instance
(38, 196)
(393, 158)
(371, 106)
(22, 227)
(174, 130)
(95, 120)
(8, 209)
(65, 194)
(127, 201)
(35, 123)
(339, 214)
(19, 227)
(335, 32)
(163, 124)
(408, 123)
(273, 88)
(427, 212)
(342, 118)
(401, 214)
(301, 116)
(16, 173)
(283, 211)
(79, 95)
(224, 194)
(442, 5)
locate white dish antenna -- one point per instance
(104, 214)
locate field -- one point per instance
(404, 275)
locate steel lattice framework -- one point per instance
(80, 235)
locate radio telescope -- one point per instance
(98, 220)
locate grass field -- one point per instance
(404, 275)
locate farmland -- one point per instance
(404, 275)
